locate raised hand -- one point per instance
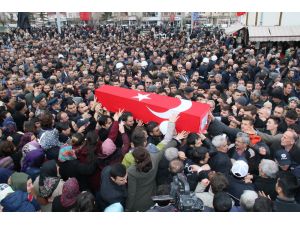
(140, 123)
(182, 135)
(181, 155)
(121, 127)
(173, 118)
(118, 115)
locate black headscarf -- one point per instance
(48, 178)
(48, 169)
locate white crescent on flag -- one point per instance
(184, 105)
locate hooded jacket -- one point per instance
(19, 201)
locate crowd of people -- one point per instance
(62, 151)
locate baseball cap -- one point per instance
(240, 168)
(283, 157)
(82, 122)
(39, 97)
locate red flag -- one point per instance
(153, 107)
(240, 13)
(172, 17)
(85, 16)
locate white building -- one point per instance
(268, 26)
(271, 19)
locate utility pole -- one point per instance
(58, 22)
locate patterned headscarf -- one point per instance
(70, 192)
(50, 184)
(33, 155)
(48, 178)
(26, 138)
(66, 153)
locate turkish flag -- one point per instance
(85, 16)
(240, 13)
(153, 107)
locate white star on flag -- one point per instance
(141, 97)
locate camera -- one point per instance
(185, 200)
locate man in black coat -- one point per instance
(288, 143)
(113, 186)
(266, 180)
(286, 187)
(237, 184)
(219, 161)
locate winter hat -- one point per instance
(144, 64)
(274, 75)
(108, 147)
(240, 168)
(9, 127)
(19, 181)
(242, 101)
(119, 65)
(241, 88)
(115, 207)
(70, 192)
(294, 99)
(5, 189)
(214, 58)
(171, 153)
(205, 60)
(66, 153)
(152, 88)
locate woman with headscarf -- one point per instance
(48, 185)
(70, 166)
(33, 158)
(26, 138)
(21, 182)
(66, 201)
(7, 155)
